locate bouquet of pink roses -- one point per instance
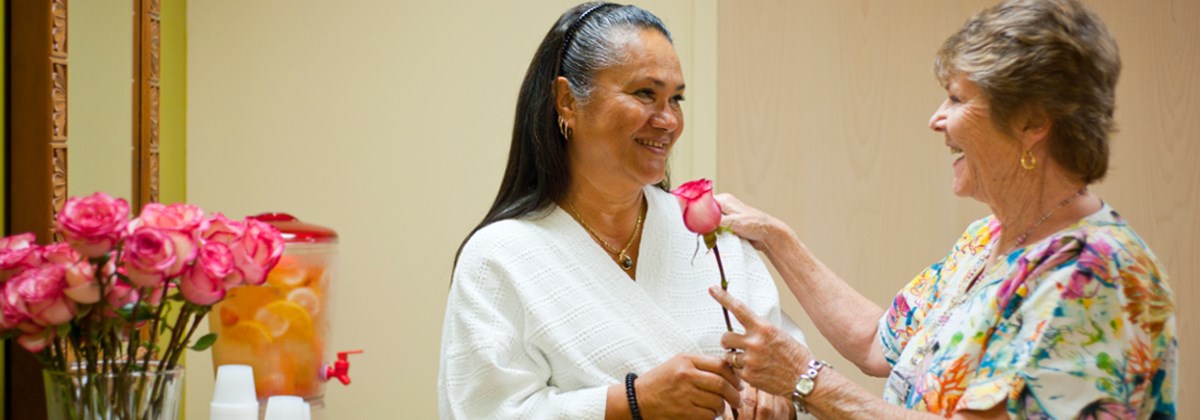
(121, 299)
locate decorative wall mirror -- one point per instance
(40, 133)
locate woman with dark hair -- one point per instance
(581, 277)
(1052, 307)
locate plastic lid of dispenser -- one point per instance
(294, 230)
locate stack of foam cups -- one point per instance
(233, 394)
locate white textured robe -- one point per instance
(540, 321)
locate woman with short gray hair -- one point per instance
(1052, 307)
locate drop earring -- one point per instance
(1028, 161)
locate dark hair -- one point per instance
(1053, 53)
(538, 172)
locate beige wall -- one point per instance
(100, 38)
(388, 121)
(823, 110)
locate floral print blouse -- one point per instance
(1078, 325)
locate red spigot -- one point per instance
(341, 368)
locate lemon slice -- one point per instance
(288, 277)
(307, 299)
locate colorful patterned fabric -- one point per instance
(1078, 325)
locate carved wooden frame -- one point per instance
(37, 56)
(147, 70)
(40, 127)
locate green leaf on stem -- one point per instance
(710, 239)
(203, 343)
(143, 313)
(100, 261)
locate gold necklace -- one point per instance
(621, 254)
(1021, 239)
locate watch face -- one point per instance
(804, 386)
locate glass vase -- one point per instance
(114, 391)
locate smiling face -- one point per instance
(983, 157)
(625, 131)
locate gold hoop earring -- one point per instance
(563, 128)
(1028, 161)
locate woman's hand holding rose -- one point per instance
(687, 386)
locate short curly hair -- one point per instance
(1055, 54)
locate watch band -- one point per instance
(806, 384)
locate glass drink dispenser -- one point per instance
(282, 327)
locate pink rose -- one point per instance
(17, 253)
(701, 213)
(149, 256)
(60, 254)
(183, 223)
(42, 291)
(118, 295)
(81, 283)
(221, 229)
(12, 308)
(36, 341)
(204, 283)
(256, 252)
(80, 274)
(183, 217)
(93, 224)
(154, 296)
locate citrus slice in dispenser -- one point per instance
(244, 301)
(316, 276)
(248, 332)
(307, 299)
(287, 275)
(285, 317)
(228, 316)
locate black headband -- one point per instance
(571, 30)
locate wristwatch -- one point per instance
(806, 384)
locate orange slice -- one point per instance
(285, 317)
(316, 276)
(244, 301)
(248, 332)
(228, 316)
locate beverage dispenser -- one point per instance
(282, 327)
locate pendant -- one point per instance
(626, 262)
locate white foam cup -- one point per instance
(285, 407)
(234, 397)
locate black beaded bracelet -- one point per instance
(632, 395)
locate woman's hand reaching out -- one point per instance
(769, 359)
(748, 222)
